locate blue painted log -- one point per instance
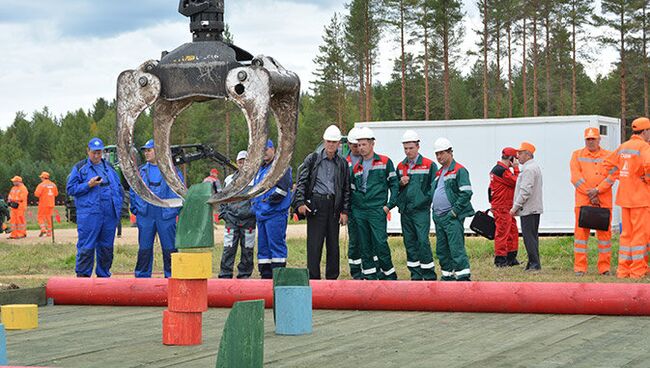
(3, 345)
(293, 310)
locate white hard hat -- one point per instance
(242, 154)
(441, 144)
(410, 136)
(352, 135)
(365, 133)
(332, 133)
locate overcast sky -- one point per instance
(64, 54)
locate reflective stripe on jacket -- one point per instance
(381, 178)
(18, 194)
(631, 164)
(417, 194)
(588, 172)
(458, 189)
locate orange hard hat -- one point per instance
(44, 175)
(17, 178)
(525, 146)
(592, 133)
(640, 124)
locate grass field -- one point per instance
(29, 265)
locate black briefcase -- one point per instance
(483, 224)
(596, 218)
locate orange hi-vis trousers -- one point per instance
(580, 250)
(634, 243)
(44, 218)
(18, 223)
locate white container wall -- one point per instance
(478, 143)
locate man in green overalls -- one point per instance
(354, 253)
(415, 175)
(373, 176)
(452, 192)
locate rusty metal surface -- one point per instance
(197, 72)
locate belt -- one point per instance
(328, 197)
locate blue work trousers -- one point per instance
(271, 244)
(96, 235)
(148, 226)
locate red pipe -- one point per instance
(497, 297)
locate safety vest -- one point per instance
(381, 178)
(417, 194)
(631, 164)
(46, 193)
(588, 172)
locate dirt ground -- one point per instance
(129, 235)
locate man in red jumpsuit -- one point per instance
(503, 179)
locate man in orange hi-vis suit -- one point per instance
(593, 188)
(17, 201)
(631, 161)
(46, 193)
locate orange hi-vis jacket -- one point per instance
(631, 163)
(46, 193)
(18, 194)
(587, 172)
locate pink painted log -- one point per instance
(477, 296)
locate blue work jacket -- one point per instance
(153, 179)
(87, 199)
(275, 201)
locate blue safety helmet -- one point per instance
(96, 144)
(269, 144)
(148, 145)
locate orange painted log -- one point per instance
(182, 328)
(477, 296)
(187, 295)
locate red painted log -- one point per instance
(187, 295)
(498, 297)
(182, 328)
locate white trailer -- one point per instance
(478, 143)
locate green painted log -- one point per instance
(242, 341)
(289, 277)
(195, 229)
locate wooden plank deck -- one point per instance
(85, 336)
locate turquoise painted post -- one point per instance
(293, 310)
(3, 345)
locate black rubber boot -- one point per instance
(500, 261)
(511, 259)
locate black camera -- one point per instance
(12, 204)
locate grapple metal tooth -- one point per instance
(165, 113)
(136, 91)
(265, 84)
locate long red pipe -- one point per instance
(497, 297)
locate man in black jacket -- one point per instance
(240, 230)
(323, 197)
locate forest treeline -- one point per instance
(530, 60)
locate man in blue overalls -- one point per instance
(271, 210)
(98, 197)
(153, 219)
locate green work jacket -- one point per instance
(381, 179)
(458, 189)
(418, 193)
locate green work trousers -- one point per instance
(376, 262)
(419, 259)
(450, 248)
(354, 253)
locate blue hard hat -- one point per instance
(96, 144)
(269, 144)
(148, 145)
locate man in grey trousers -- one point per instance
(528, 203)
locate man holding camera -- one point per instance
(323, 197)
(501, 194)
(593, 186)
(17, 201)
(98, 196)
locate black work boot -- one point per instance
(511, 259)
(500, 261)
